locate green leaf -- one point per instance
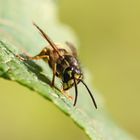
(17, 35)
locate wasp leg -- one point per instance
(43, 54)
(66, 94)
(37, 57)
(54, 74)
(72, 47)
(20, 57)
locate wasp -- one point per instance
(64, 65)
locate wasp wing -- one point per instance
(72, 48)
(48, 39)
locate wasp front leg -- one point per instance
(66, 94)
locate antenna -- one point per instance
(93, 100)
(76, 91)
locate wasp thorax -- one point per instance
(69, 75)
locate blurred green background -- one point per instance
(108, 33)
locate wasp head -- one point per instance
(70, 75)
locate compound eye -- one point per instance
(67, 75)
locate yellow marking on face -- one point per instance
(70, 73)
(77, 76)
(70, 82)
(65, 85)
